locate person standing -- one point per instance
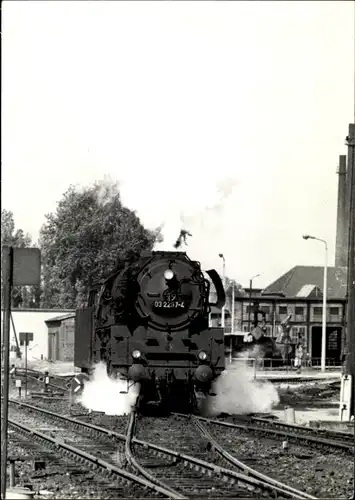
(298, 357)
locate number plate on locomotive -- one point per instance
(166, 304)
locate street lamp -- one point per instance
(250, 289)
(224, 284)
(324, 315)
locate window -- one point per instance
(245, 328)
(215, 322)
(318, 311)
(334, 311)
(265, 309)
(249, 309)
(282, 309)
(268, 332)
(298, 333)
(299, 311)
(293, 332)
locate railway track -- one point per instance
(295, 380)
(330, 435)
(64, 382)
(176, 474)
(206, 478)
(307, 435)
(100, 458)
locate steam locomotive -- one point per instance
(149, 322)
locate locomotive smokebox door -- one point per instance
(83, 337)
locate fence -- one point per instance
(270, 364)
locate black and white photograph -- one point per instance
(177, 249)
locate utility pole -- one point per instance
(224, 286)
(18, 350)
(232, 326)
(8, 272)
(22, 266)
(250, 294)
(249, 312)
(325, 288)
(350, 361)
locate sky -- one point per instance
(226, 118)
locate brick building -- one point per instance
(298, 293)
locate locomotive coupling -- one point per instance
(137, 372)
(204, 373)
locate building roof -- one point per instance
(309, 291)
(291, 283)
(61, 317)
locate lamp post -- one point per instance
(324, 315)
(250, 290)
(232, 325)
(224, 285)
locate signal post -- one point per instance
(21, 266)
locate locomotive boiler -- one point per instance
(149, 322)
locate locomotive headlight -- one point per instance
(136, 354)
(202, 355)
(168, 274)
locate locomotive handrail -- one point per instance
(221, 294)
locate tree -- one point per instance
(24, 296)
(238, 289)
(82, 242)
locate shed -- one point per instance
(32, 321)
(61, 337)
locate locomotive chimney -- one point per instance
(342, 216)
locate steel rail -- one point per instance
(337, 435)
(279, 487)
(94, 462)
(344, 446)
(133, 462)
(36, 375)
(205, 467)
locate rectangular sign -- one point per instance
(26, 336)
(26, 265)
(18, 383)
